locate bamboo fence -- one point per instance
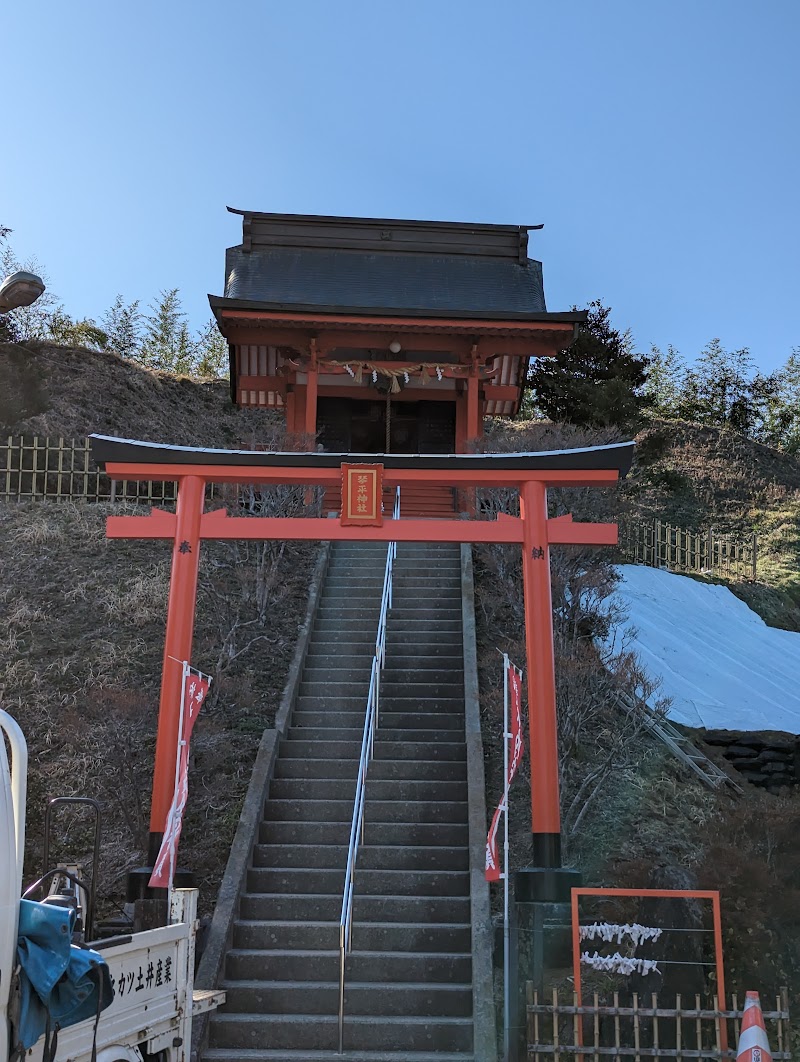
(62, 469)
(662, 545)
(644, 1029)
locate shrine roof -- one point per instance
(614, 456)
(380, 266)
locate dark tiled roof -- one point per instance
(353, 280)
(107, 448)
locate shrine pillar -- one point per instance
(473, 408)
(310, 426)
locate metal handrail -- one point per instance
(367, 744)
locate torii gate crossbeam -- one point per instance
(530, 473)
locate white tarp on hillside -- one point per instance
(723, 667)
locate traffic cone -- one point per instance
(753, 1043)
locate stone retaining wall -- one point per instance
(769, 759)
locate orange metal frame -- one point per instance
(670, 894)
(189, 525)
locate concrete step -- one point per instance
(361, 628)
(412, 627)
(376, 811)
(345, 734)
(391, 720)
(379, 966)
(403, 661)
(428, 608)
(326, 734)
(349, 703)
(296, 881)
(388, 720)
(319, 750)
(423, 750)
(405, 1034)
(403, 644)
(328, 718)
(322, 997)
(390, 701)
(341, 656)
(453, 834)
(315, 907)
(290, 767)
(370, 857)
(437, 674)
(383, 750)
(395, 702)
(367, 936)
(377, 789)
(420, 690)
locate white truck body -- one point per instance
(152, 972)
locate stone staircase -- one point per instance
(409, 975)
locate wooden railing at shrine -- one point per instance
(662, 545)
(644, 1028)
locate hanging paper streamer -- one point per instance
(493, 870)
(195, 688)
(608, 931)
(516, 747)
(621, 964)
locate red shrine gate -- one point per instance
(530, 473)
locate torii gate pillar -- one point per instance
(545, 812)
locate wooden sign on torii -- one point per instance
(530, 473)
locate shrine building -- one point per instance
(379, 336)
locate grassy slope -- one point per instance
(82, 619)
(697, 476)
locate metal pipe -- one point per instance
(19, 778)
(371, 718)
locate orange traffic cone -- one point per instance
(753, 1043)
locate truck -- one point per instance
(152, 972)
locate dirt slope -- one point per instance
(71, 392)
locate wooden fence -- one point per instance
(644, 1029)
(63, 469)
(662, 545)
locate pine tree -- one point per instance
(598, 381)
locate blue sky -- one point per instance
(657, 141)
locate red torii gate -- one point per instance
(530, 473)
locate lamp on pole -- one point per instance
(20, 289)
